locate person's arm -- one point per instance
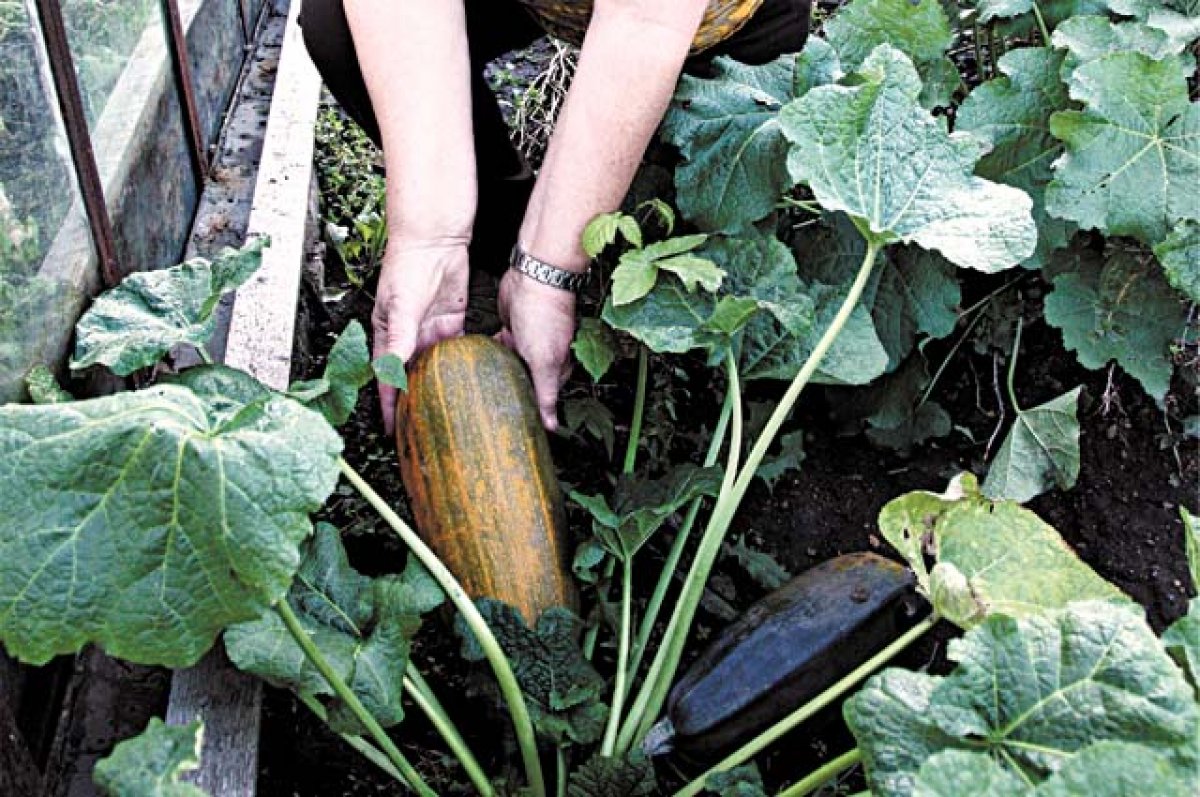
(415, 61)
(631, 59)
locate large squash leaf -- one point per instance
(148, 522)
(133, 325)
(991, 557)
(1133, 154)
(727, 130)
(1179, 19)
(362, 626)
(918, 28)
(871, 151)
(1032, 694)
(1121, 311)
(151, 763)
(1040, 451)
(1089, 38)
(917, 293)
(1183, 642)
(1012, 113)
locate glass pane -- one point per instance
(103, 34)
(37, 189)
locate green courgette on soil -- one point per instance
(476, 464)
(784, 651)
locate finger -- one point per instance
(545, 390)
(505, 337)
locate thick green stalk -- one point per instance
(425, 699)
(805, 712)
(662, 668)
(676, 553)
(666, 662)
(347, 696)
(618, 700)
(826, 773)
(505, 677)
(365, 748)
(561, 759)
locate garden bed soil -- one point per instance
(1122, 518)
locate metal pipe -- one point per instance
(177, 43)
(79, 138)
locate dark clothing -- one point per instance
(495, 27)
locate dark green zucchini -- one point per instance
(784, 651)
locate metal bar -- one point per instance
(187, 93)
(79, 138)
(244, 15)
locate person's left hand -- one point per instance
(539, 324)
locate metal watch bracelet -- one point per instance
(545, 273)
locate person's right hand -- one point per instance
(422, 298)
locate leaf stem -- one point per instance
(347, 696)
(560, 755)
(1012, 366)
(805, 712)
(618, 700)
(1041, 21)
(676, 553)
(819, 777)
(654, 692)
(427, 701)
(507, 680)
(639, 412)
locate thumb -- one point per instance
(546, 384)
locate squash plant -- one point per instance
(830, 210)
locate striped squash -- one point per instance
(476, 464)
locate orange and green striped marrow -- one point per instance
(476, 464)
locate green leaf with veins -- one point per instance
(1032, 693)
(954, 773)
(135, 324)
(997, 9)
(669, 320)
(760, 269)
(147, 522)
(1191, 544)
(562, 689)
(1182, 641)
(347, 370)
(743, 781)
(362, 626)
(590, 414)
(152, 763)
(918, 28)
(1040, 452)
(1013, 562)
(608, 776)
(641, 506)
(1132, 157)
(226, 390)
(637, 271)
(816, 65)
(916, 293)
(1117, 769)
(871, 151)
(1182, 25)
(1012, 113)
(594, 347)
(1090, 38)
(601, 232)
(1123, 311)
(1179, 254)
(727, 131)
(43, 387)
(389, 370)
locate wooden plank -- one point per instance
(260, 338)
(264, 311)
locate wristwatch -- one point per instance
(545, 273)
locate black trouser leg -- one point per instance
(494, 27)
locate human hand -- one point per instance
(422, 298)
(539, 324)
